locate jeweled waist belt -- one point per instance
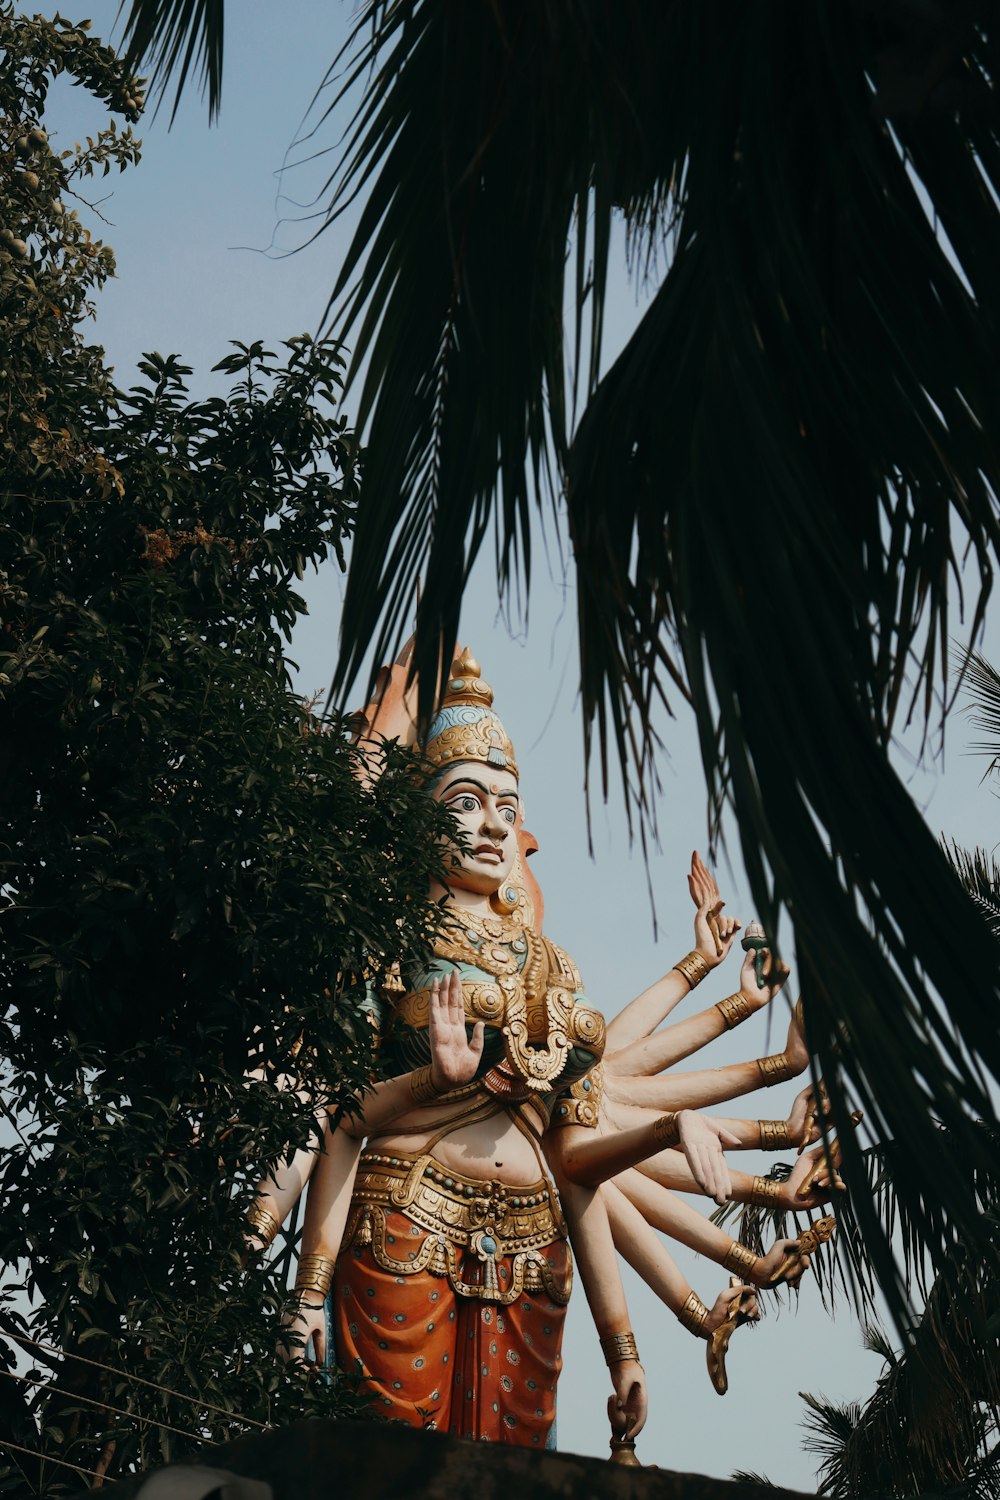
(496, 1222)
(436, 1198)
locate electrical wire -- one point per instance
(46, 1458)
(22, 1338)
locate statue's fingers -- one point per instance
(477, 1038)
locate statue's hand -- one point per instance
(702, 1140)
(454, 1055)
(627, 1407)
(775, 974)
(804, 1119)
(722, 1307)
(712, 930)
(767, 1265)
(823, 1184)
(307, 1320)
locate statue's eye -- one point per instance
(509, 814)
(467, 803)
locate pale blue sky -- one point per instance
(200, 229)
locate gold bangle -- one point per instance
(666, 1131)
(422, 1087)
(314, 1274)
(775, 1069)
(262, 1223)
(765, 1192)
(735, 1009)
(740, 1260)
(692, 1316)
(618, 1347)
(694, 967)
(774, 1135)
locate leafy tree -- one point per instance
(194, 879)
(768, 491)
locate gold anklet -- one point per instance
(692, 1316)
(314, 1274)
(740, 1260)
(775, 1069)
(693, 966)
(774, 1135)
(735, 1009)
(618, 1347)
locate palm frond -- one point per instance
(747, 1476)
(979, 872)
(770, 489)
(982, 683)
(174, 37)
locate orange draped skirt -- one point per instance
(472, 1367)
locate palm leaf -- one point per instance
(980, 874)
(769, 490)
(176, 36)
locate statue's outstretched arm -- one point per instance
(713, 935)
(454, 1059)
(651, 1054)
(590, 1157)
(648, 1256)
(711, 1085)
(596, 1260)
(676, 1218)
(671, 1170)
(327, 1206)
(800, 1129)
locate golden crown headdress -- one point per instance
(465, 726)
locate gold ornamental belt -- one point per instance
(495, 1221)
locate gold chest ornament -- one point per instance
(533, 1001)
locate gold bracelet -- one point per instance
(666, 1131)
(774, 1135)
(315, 1274)
(740, 1260)
(775, 1069)
(692, 1316)
(422, 1087)
(694, 967)
(765, 1192)
(618, 1347)
(262, 1223)
(735, 1009)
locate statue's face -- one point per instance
(484, 803)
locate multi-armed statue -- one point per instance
(436, 1248)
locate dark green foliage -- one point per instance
(194, 880)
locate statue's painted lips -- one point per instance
(488, 851)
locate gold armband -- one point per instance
(694, 967)
(422, 1087)
(262, 1223)
(692, 1316)
(314, 1274)
(740, 1260)
(666, 1131)
(774, 1135)
(775, 1069)
(735, 1009)
(765, 1192)
(617, 1347)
